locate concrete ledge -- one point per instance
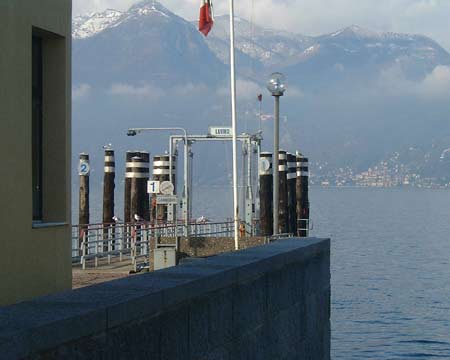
(263, 281)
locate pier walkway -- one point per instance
(103, 245)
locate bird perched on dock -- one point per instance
(116, 219)
(137, 217)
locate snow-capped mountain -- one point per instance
(94, 23)
(258, 48)
(267, 46)
(354, 88)
(345, 50)
(146, 44)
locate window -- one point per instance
(37, 127)
(50, 128)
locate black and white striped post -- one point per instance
(127, 191)
(108, 193)
(292, 198)
(138, 170)
(145, 199)
(302, 196)
(161, 173)
(266, 194)
(137, 192)
(283, 214)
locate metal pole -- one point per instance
(233, 125)
(186, 185)
(276, 135)
(258, 185)
(170, 160)
(242, 180)
(260, 116)
(249, 191)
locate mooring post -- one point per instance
(127, 191)
(302, 195)
(142, 181)
(136, 196)
(83, 215)
(137, 191)
(266, 193)
(283, 214)
(161, 173)
(292, 198)
(108, 198)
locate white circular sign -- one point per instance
(264, 165)
(84, 168)
(166, 188)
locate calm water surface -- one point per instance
(390, 271)
(390, 268)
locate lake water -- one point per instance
(390, 267)
(390, 271)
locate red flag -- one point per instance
(206, 19)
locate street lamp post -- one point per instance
(277, 86)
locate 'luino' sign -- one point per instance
(221, 131)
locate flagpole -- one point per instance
(234, 130)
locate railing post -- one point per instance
(83, 251)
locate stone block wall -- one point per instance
(266, 302)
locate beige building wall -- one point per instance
(35, 257)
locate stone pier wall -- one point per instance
(266, 302)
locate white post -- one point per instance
(186, 186)
(234, 130)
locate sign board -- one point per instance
(153, 187)
(220, 131)
(84, 169)
(166, 188)
(264, 165)
(166, 199)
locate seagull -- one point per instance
(116, 219)
(137, 217)
(202, 220)
(107, 146)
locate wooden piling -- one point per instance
(302, 196)
(266, 193)
(83, 215)
(283, 214)
(161, 173)
(145, 199)
(137, 206)
(127, 191)
(292, 198)
(108, 194)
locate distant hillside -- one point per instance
(354, 97)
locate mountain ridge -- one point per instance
(348, 91)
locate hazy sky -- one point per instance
(313, 17)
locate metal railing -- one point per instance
(100, 241)
(134, 241)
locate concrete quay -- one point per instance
(265, 302)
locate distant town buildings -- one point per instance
(386, 174)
